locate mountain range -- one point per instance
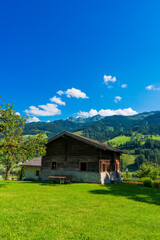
(100, 128)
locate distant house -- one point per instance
(86, 160)
(33, 168)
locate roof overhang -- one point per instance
(91, 142)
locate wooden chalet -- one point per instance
(86, 160)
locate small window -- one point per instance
(54, 166)
(37, 173)
(83, 166)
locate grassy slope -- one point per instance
(78, 211)
(115, 142)
(80, 133)
(128, 159)
(118, 140)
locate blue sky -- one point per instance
(87, 50)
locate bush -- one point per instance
(2, 171)
(157, 185)
(148, 182)
(149, 170)
(132, 180)
(126, 175)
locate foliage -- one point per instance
(78, 211)
(149, 170)
(51, 128)
(157, 184)
(14, 147)
(21, 171)
(102, 128)
(148, 182)
(139, 160)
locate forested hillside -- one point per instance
(110, 127)
(101, 128)
(51, 128)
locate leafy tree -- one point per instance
(13, 146)
(150, 170)
(139, 160)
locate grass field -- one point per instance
(115, 142)
(78, 211)
(118, 140)
(128, 160)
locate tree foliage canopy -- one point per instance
(150, 170)
(14, 147)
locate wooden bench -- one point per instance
(60, 178)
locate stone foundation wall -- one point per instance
(77, 176)
(107, 177)
(86, 177)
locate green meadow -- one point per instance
(122, 139)
(78, 211)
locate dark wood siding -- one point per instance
(68, 152)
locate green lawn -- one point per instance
(78, 211)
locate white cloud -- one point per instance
(124, 86)
(49, 109)
(152, 87)
(108, 79)
(91, 113)
(117, 99)
(73, 92)
(57, 100)
(34, 119)
(17, 113)
(108, 112)
(60, 92)
(48, 121)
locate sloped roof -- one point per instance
(89, 141)
(36, 162)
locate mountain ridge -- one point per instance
(99, 127)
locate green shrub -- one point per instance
(3, 176)
(149, 170)
(148, 182)
(157, 185)
(132, 180)
(126, 175)
(2, 171)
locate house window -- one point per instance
(54, 166)
(83, 166)
(37, 173)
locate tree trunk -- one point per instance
(8, 170)
(21, 173)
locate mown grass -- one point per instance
(78, 211)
